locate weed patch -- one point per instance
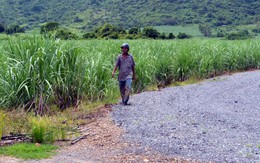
(29, 151)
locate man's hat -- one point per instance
(125, 45)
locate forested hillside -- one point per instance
(87, 14)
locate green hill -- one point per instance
(86, 14)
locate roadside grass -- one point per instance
(187, 82)
(29, 151)
(55, 122)
(175, 84)
(56, 126)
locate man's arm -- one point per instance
(133, 68)
(116, 66)
(134, 76)
(114, 71)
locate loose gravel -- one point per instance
(216, 120)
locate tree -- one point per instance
(78, 20)
(113, 36)
(14, 29)
(163, 36)
(133, 31)
(151, 32)
(244, 34)
(221, 33)
(109, 31)
(2, 28)
(257, 28)
(89, 35)
(50, 26)
(205, 30)
(171, 36)
(65, 34)
(182, 36)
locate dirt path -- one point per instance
(103, 144)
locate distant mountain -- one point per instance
(87, 14)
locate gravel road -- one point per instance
(216, 120)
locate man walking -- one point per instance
(125, 63)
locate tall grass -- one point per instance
(37, 72)
(43, 131)
(2, 118)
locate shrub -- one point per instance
(113, 35)
(89, 35)
(65, 34)
(50, 26)
(133, 31)
(221, 33)
(109, 31)
(2, 28)
(244, 34)
(150, 32)
(182, 36)
(171, 36)
(233, 36)
(256, 30)
(52, 29)
(14, 29)
(43, 131)
(39, 128)
(163, 36)
(130, 37)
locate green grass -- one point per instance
(29, 151)
(187, 82)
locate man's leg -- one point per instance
(122, 89)
(128, 86)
